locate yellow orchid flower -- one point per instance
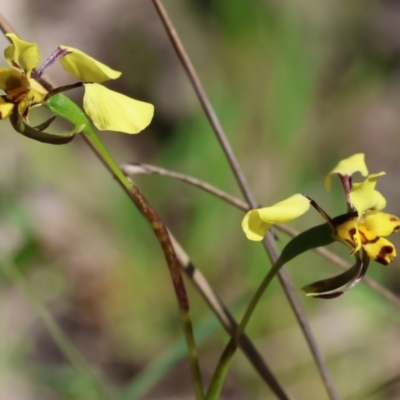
(25, 88)
(20, 88)
(366, 230)
(361, 231)
(362, 228)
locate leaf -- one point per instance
(317, 236)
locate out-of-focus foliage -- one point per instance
(297, 85)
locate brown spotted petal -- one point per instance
(347, 233)
(381, 223)
(377, 248)
(336, 286)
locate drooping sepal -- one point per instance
(334, 287)
(37, 133)
(112, 111)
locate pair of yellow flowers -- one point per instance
(361, 229)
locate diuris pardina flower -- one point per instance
(361, 228)
(25, 87)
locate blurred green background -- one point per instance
(297, 85)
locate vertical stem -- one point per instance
(242, 183)
(230, 349)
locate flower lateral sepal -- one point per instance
(112, 111)
(336, 286)
(38, 133)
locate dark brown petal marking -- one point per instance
(26, 112)
(381, 257)
(393, 219)
(16, 65)
(365, 240)
(340, 219)
(352, 233)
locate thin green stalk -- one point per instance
(222, 368)
(60, 339)
(65, 108)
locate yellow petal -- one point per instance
(253, 226)
(22, 55)
(85, 68)
(364, 196)
(381, 223)
(347, 233)
(257, 222)
(5, 108)
(113, 111)
(348, 167)
(377, 248)
(38, 87)
(31, 99)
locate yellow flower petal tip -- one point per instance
(22, 55)
(254, 227)
(113, 111)
(257, 222)
(5, 109)
(382, 224)
(365, 198)
(348, 166)
(85, 68)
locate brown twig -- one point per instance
(140, 168)
(268, 240)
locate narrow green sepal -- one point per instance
(44, 125)
(337, 285)
(41, 136)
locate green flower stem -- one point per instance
(320, 235)
(62, 341)
(221, 371)
(67, 109)
(243, 185)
